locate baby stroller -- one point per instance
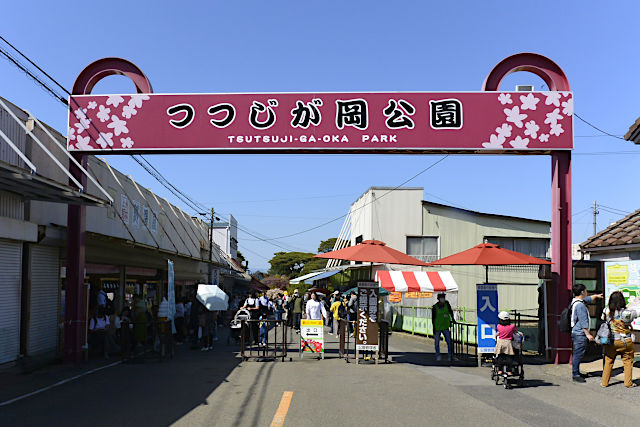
(513, 363)
(235, 326)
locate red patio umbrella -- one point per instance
(489, 254)
(372, 251)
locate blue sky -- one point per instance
(279, 46)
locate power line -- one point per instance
(597, 128)
(366, 204)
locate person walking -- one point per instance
(251, 304)
(315, 309)
(622, 343)
(178, 321)
(580, 321)
(279, 304)
(352, 311)
(335, 318)
(442, 317)
(297, 305)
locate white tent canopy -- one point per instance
(212, 297)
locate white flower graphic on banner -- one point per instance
(531, 129)
(494, 142)
(553, 98)
(118, 126)
(71, 134)
(567, 107)
(556, 129)
(519, 142)
(103, 113)
(92, 105)
(514, 116)
(505, 98)
(128, 111)
(553, 117)
(105, 140)
(504, 131)
(115, 100)
(126, 142)
(80, 113)
(83, 143)
(529, 102)
(544, 137)
(136, 100)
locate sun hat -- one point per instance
(503, 315)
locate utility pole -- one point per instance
(595, 213)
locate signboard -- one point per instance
(367, 322)
(472, 122)
(395, 296)
(418, 294)
(311, 336)
(623, 276)
(171, 294)
(487, 317)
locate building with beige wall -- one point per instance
(429, 231)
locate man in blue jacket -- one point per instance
(580, 324)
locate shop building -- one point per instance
(129, 239)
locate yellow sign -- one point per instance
(418, 294)
(311, 323)
(395, 296)
(618, 274)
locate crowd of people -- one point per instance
(193, 324)
(292, 308)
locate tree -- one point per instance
(327, 245)
(289, 264)
(240, 258)
(280, 282)
(313, 264)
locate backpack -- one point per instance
(342, 311)
(564, 324)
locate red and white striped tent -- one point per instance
(416, 281)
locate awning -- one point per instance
(416, 281)
(326, 274)
(303, 278)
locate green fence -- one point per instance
(417, 320)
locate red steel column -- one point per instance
(562, 267)
(75, 319)
(74, 325)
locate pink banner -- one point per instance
(347, 122)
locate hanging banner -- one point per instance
(487, 317)
(171, 294)
(340, 122)
(366, 328)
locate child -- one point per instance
(504, 344)
(263, 331)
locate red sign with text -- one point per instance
(347, 122)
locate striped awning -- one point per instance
(416, 281)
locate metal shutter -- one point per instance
(42, 334)
(10, 269)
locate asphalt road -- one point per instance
(217, 388)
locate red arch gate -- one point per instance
(487, 122)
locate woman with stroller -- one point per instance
(504, 343)
(622, 343)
